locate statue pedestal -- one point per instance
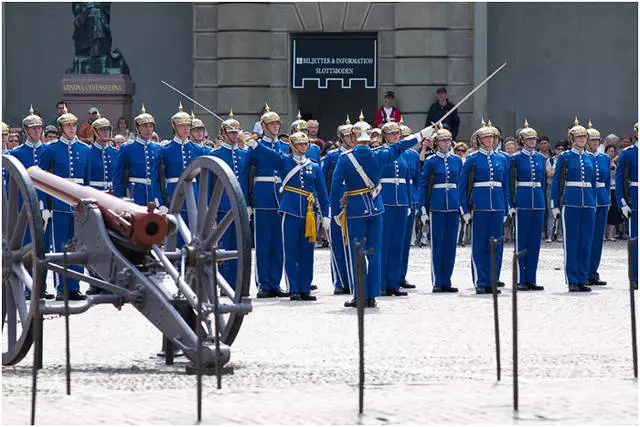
(112, 94)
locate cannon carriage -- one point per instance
(131, 254)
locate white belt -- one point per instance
(76, 180)
(411, 181)
(600, 185)
(634, 184)
(100, 183)
(275, 179)
(395, 181)
(578, 184)
(145, 181)
(529, 184)
(446, 185)
(487, 184)
(173, 180)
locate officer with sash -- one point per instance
(136, 173)
(528, 183)
(626, 178)
(302, 185)
(574, 183)
(360, 169)
(440, 200)
(261, 183)
(412, 158)
(602, 164)
(484, 203)
(68, 158)
(339, 257)
(396, 198)
(234, 156)
(29, 154)
(300, 125)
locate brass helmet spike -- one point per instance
(401, 120)
(31, 109)
(526, 123)
(576, 130)
(575, 122)
(266, 107)
(231, 114)
(143, 110)
(489, 124)
(143, 118)
(180, 107)
(589, 126)
(482, 123)
(31, 120)
(193, 116)
(348, 122)
(66, 117)
(299, 116)
(269, 116)
(65, 111)
(361, 116)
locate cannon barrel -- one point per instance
(143, 226)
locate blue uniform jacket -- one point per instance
(143, 160)
(602, 163)
(234, 157)
(175, 156)
(413, 164)
(531, 181)
(29, 154)
(491, 182)
(445, 168)
(66, 159)
(373, 162)
(628, 160)
(395, 182)
(103, 160)
(267, 179)
(580, 181)
(309, 178)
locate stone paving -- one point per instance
(430, 358)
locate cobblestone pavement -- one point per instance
(430, 358)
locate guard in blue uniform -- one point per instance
(261, 183)
(506, 159)
(300, 125)
(412, 157)
(302, 185)
(626, 178)
(603, 201)
(396, 198)
(360, 169)
(440, 200)
(573, 196)
(29, 154)
(484, 203)
(68, 158)
(136, 172)
(339, 256)
(234, 156)
(528, 184)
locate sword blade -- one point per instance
(193, 100)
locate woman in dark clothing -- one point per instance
(614, 217)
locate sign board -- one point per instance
(340, 59)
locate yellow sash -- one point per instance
(310, 218)
(343, 214)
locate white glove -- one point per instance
(326, 223)
(425, 133)
(337, 220)
(555, 212)
(248, 141)
(424, 216)
(408, 211)
(504, 220)
(626, 211)
(163, 209)
(46, 216)
(249, 211)
(512, 212)
(467, 218)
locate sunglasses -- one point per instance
(462, 150)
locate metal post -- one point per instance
(37, 355)
(65, 285)
(496, 324)
(216, 314)
(199, 335)
(514, 281)
(360, 299)
(632, 304)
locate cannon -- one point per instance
(131, 255)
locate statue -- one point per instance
(92, 39)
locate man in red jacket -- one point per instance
(387, 109)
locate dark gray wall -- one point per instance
(156, 40)
(565, 59)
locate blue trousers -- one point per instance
(633, 233)
(338, 260)
(61, 232)
(298, 255)
(528, 235)
(268, 244)
(577, 224)
(485, 225)
(445, 227)
(394, 221)
(229, 269)
(598, 238)
(406, 248)
(371, 228)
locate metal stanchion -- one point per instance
(360, 300)
(632, 304)
(514, 281)
(494, 288)
(199, 335)
(37, 354)
(216, 320)
(65, 285)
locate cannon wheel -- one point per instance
(21, 266)
(205, 226)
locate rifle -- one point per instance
(429, 190)
(163, 181)
(252, 177)
(625, 188)
(470, 180)
(563, 179)
(514, 179)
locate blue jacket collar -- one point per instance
(32, 144)
(485, 152)
(443, 155)
(229, 146)
(529, 152)
(142, 141)
(577, 150)
(100, 147)
(180, 141)
(67, 141)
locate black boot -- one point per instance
(351, 303)
(596, 282)
(306, 297)
(279, 293)
(535, 287)
(265, 293)
(295, 297)
(407, 285)
(371, 303)
(340, 291)
(480, 290)
(93, 291)
(395, 293)
(314, 287)
(579, 288)
(523, 287)
(500, 284)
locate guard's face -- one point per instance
(197, 134)
(300, 148)
(486, 142)
(530, 143)
(347, 140)
(182, 130)
(272, 129)
(392, 137)
(580, 141)
(34, 133)
(376, 139)
(230, 137)
(69, 130)
(146, 130)
(593, 144)
(444, 145)
(104, 134)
